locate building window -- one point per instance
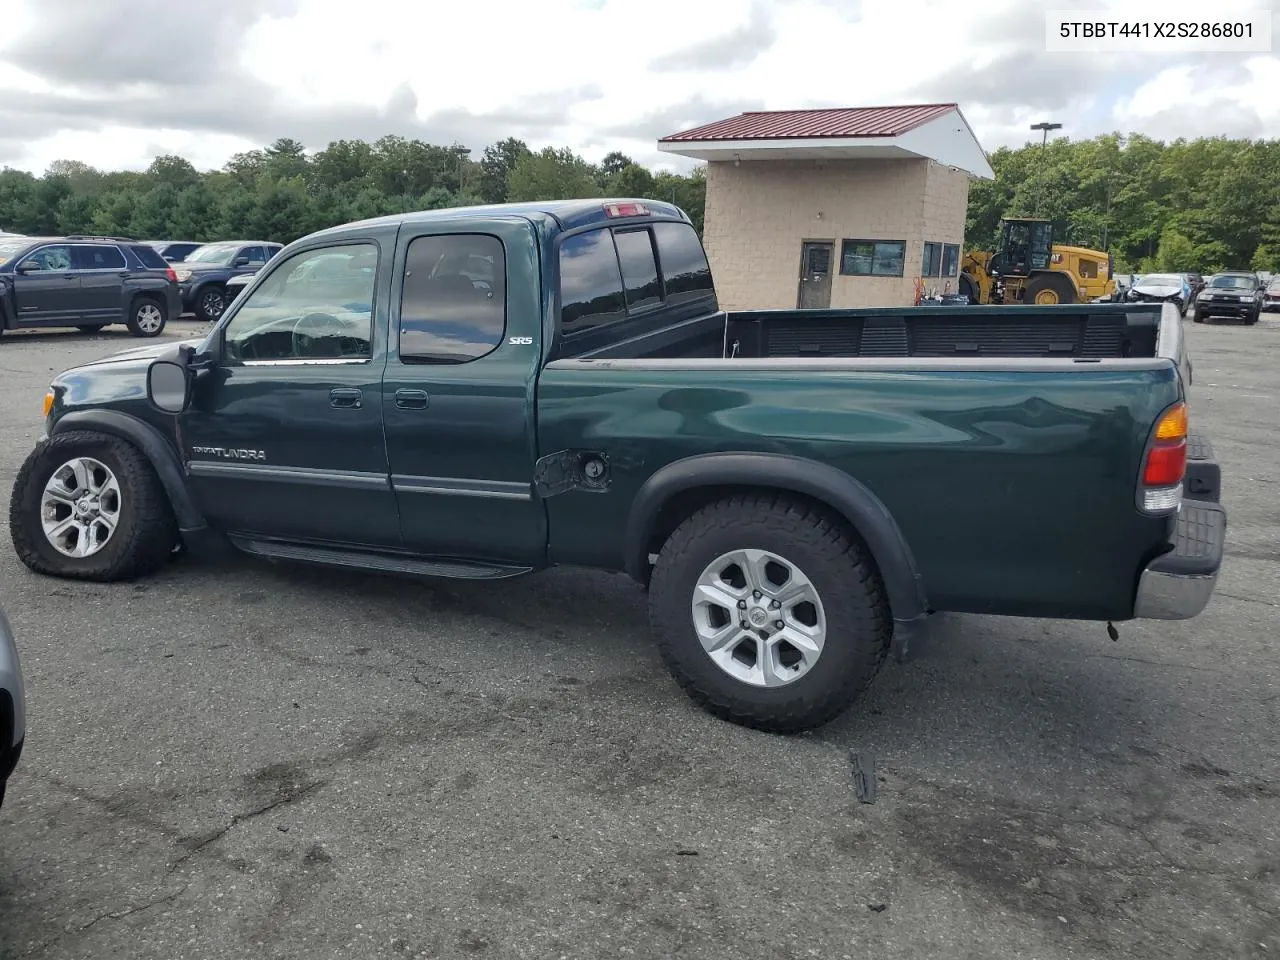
(931, 263)
(951, 259)
(873, 258)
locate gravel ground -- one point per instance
(238, 760)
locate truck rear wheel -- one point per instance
(88, 506)
(768, 613)
(1049, 288)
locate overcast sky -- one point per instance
(116, 83)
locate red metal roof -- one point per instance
(807, 124)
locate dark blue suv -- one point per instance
(85, 282)
(203, 275)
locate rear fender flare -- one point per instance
(153, 445)
(848, 497)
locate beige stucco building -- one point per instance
(840, 208)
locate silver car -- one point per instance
(13, 717)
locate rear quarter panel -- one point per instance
(1014, 488)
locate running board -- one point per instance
(376, 562)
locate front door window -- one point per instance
(315, 306)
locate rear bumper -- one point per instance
(1179, 584)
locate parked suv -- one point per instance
(85, 282)
(203, 275)
(1236, 294)
(174, 251)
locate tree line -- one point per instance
(1206, 204)
(281, 192)
(1191, 205)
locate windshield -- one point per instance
(1233, 283)
(10, 249)
(220, 253)
(1161, 280)
(1274, 286)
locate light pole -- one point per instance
(1045, 127)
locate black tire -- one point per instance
(90, 327)
(834, 562)
(1197, 317)
(211, 300)
(1056, 284)
(1252, 319)
(966, 287)
(147, 317)
(145, 533)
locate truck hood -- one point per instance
(144, 355)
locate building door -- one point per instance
(815, 276)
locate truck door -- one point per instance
(458, 394)
(46, 287)
(284, 436)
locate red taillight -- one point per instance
(625, 210)
(171, 274)
(1166, 463)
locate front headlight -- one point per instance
(1203, 295)
(182, 275)
(1246, 298)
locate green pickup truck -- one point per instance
(484, 392)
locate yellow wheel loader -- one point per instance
(1027, 267)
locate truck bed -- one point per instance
(1083, 332)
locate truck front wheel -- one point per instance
(769, 613)
(88, 506)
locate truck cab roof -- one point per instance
(563, 214)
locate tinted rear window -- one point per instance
(639, 268)
(684, 265)
(149, 256)
(590, 281)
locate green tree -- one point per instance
(1265, 258)
(1176, 253)
(496, 164)
(632, 180)
(552, 174)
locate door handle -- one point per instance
(412, 399)
(344, 397)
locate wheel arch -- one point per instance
(153, 445)
(679, 489)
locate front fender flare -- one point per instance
(159, 451)
(849, 497)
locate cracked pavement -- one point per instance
(235, 759)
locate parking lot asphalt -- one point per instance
(239, 760)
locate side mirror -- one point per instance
(169, 386)
(242, 261)
(28, 266)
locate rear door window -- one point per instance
(590, 282)
(97, 258)
(453, 306)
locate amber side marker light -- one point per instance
(1166, 463)
(48, 402)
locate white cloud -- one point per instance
(597, 75)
